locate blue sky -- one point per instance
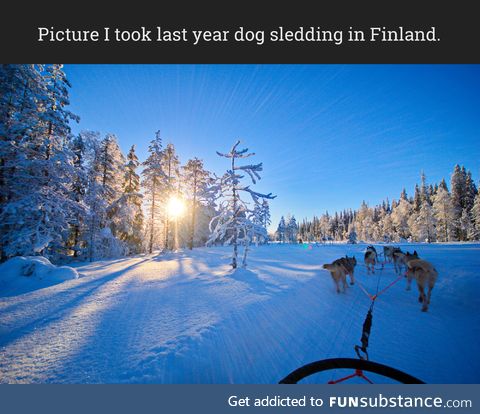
(329, 136)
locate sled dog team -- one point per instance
(415, 268)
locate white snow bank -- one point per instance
(24, 274)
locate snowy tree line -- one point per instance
(287, 230)
(65, 196)
(435, 212)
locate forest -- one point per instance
(80, 197)
(434, 213)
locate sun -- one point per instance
(175, 207)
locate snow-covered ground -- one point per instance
(24, 274)
(185, 318)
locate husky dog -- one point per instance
(425, 275)
(388, 252)
(400, 260)
(406, 259)
(339, 275)
(370, 259)
(348, 264)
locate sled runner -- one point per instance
(359, 365)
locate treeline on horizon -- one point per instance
(435, 213)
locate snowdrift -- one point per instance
(24, 274)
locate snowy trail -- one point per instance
(184, 318)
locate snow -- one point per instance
(23, 274)
(185, 317)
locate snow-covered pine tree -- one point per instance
(258, 219)
(37, 207)
(422, 224)
(153, 183)
(388, 230)
(443, 184)
(292, 230)
(422, 220)
(20, 87)
(476, 217)
(112, 163)
(96, 203)
(457, 194)
(400, 215)
(425, 193)
(470, 191)
(233, 223)
(280, 233)
(127, 210)
(467, 218)
(197, 183)
(465, 224)
(352, 234)
(170, 189)
(444, 213)
(79, 147)
(265, 215)
(417, 199)
(364, 222)
(106, 174)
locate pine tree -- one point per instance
(422, 224)
(470, 191)
(280, 233)
(458, 190)
(444, 213)
(234, 216)
(111, 164)
(20, 87)
(96, 203)
(476, 217)
(171, 187)
(153, 178)
(292, 229)
(38, 163)
(265, 214)
(198, 189)
(127, 210)
(443, 184)
(400, 216)
(79, 148)
(417, 199)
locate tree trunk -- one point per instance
(152, 218)
(234, 195)
(194, 206)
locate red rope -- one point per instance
(386, 288)
(365, 291)
(357, 373)
(373, 297)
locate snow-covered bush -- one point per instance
(22, 274)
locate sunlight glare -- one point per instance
(175, 207)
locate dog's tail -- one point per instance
(328, 266)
